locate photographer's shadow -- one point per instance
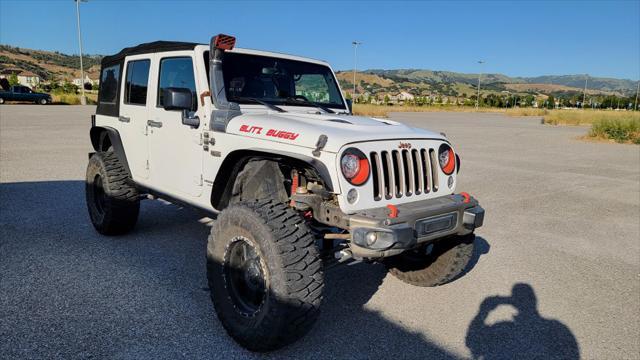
(527, 336)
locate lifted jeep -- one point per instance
(266, 144)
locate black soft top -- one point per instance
(116, 62)
(147, 48)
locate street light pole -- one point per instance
(479, 74)
(584, 95)
(83, 99)
(355, 65)
(635, 106)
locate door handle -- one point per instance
(124, 119)
(152, 123)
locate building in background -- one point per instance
(26, 78)
(77, 82)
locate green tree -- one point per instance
(13, 79)
(69, 88)
(551, 102)
(386, 99)
(529, 99)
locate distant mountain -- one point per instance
(440, 76)
(598, 83)
(418, 76)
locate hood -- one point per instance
(303, 129)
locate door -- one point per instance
(175, 150)
(18, 93)
(134, 113)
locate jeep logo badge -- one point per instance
(404, 145)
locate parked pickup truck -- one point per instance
(23, 93)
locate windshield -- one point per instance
(279, 81)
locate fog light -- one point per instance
(450, 182)
(376, 239)
(371, 238)
(352, 196)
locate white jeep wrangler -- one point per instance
(266, 144)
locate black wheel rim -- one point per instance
(244, 276)
(99, 196)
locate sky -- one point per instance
(599, 38)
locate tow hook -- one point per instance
(393, 211)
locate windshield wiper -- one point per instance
(261, 102)
(319, 106)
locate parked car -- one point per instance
(267, 144)
(24, 93)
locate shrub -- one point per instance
(625, 129)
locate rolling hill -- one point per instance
(48, 65)
(55, 66)
(426, 82)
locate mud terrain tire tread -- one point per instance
(295, 274)
(451, 260)
(123, 201)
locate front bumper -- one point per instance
(376, 234)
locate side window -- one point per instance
(109, 80)
(135, 91)
(177, 72)
(313, 87)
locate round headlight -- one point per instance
(354, 166)
(447, 159)
(350, 165)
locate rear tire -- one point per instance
(112, 199)
(265, 274)
(1, 101)
(444, 263)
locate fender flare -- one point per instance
(104, 136)
(235, 161)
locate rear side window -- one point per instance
(109, 84)
(135, 91)
(177, 72)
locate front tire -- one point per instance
(264, 273)
(443, 263)
(1, 101)
(113, 201)
(43, 102)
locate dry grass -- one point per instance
(606, 125)
(588, 117)
(384, 110)
(622, 129)
(71, 99)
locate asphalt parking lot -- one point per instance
(556, 272)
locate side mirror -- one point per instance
(177, 98)
(180, 99)
(350, 106)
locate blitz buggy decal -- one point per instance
(251, 129)
(281, 134)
